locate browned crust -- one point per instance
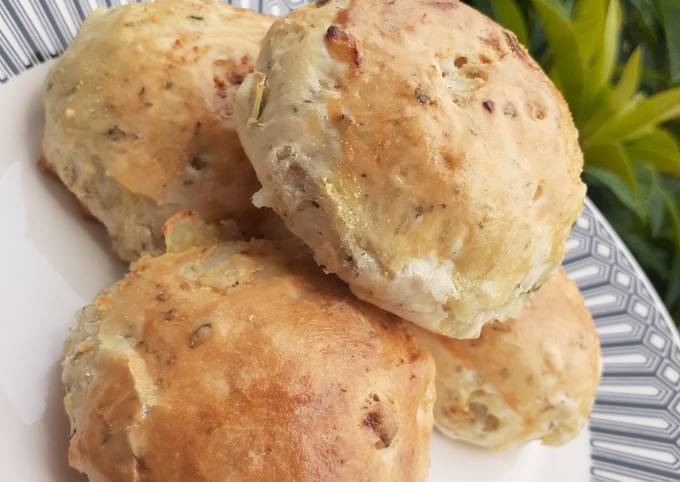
(46, 167)
(556, 317)
(345, 48)
(262, 369)
(444, 148)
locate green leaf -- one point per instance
(656, 213)
(616, 185)
(645, 18)
(655, 75)
(629, 80)
(649, 255)
(564, 50)
(657, 148)
(613, 158)
(601, 110)
(670, 10)
(672, 296)
(611, 102)
(607, 51)
(509, 15)
(599, 71)
(481, 5)
(598, 111)
(588, 24)
(673, 208)
(647, 179)
(640, 119)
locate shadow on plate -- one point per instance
(57, 429)
(62, 225)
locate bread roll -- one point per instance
(533, 377)
(419, 151)
(243, 362)
(139, 117)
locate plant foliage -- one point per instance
(617, 63)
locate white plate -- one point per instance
(54, 263)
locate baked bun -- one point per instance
(419, 151)
(529, 378)
(243, 362)
(139, 117)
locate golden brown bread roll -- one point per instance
(533, 377)
(139, 117)
(419, 151)
(243, 362)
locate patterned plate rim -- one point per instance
(642, 276)
(635, 427)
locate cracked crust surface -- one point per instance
(533, 377)
(419, 151)
(139, 117)
(242, 361)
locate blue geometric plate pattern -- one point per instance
(635, 426)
